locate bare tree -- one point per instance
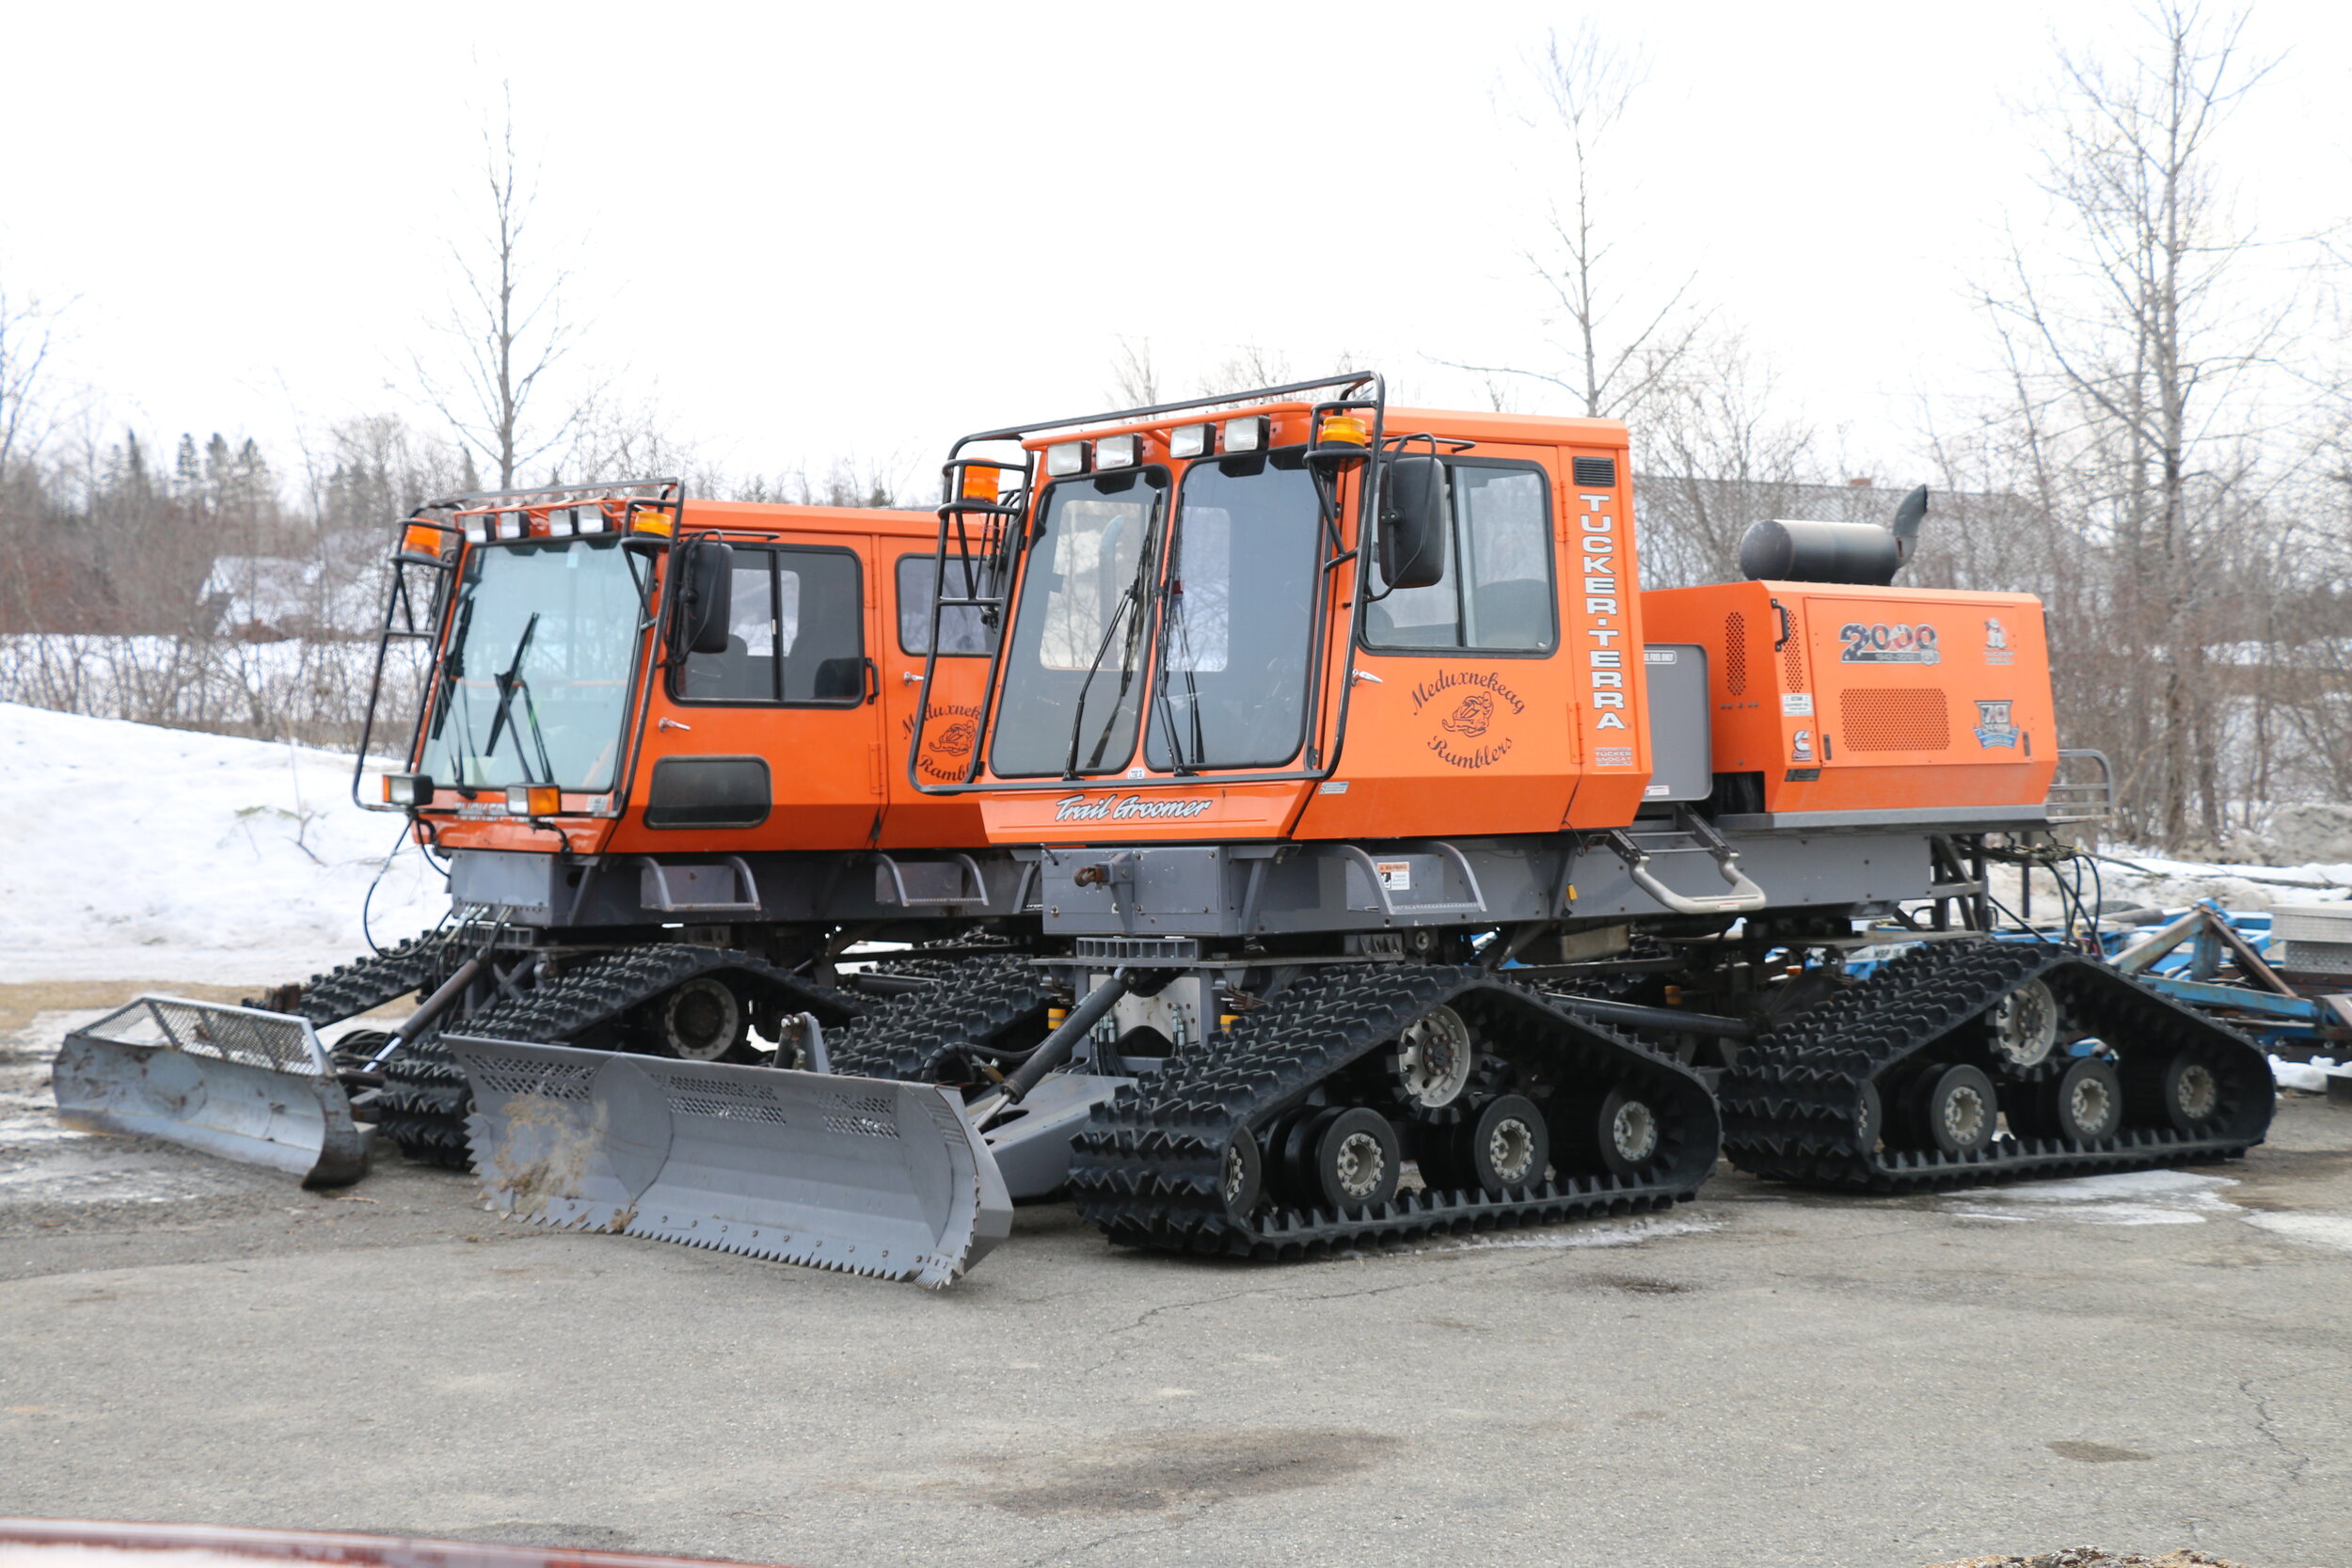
(28, 336)
(1717, 449)
(1135, 379)
(510, 328)
(1617, 338)
(2131, 361)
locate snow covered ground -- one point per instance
(133, 852)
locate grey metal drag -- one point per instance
(236, 1082)
(860, 1174)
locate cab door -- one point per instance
(913, 819)
(790, 707)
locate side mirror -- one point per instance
(1412, 522)
(705, 573)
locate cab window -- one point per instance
(794, 633)
(1497, 594)
(961, 630)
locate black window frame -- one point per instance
(1032, 532)
(1552, 568)
(897, 591)
(775, 549)
(1157, 670)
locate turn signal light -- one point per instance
(533, 801)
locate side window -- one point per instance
(961, 629)
(794, 633)
(1496, 594)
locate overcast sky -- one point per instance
(809, 232)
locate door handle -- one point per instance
(1781, 611)
(873, 682)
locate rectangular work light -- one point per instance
(407, 790)
(1118, 452)
(1065, 458)
(1190, 440)
(534, 799)
(1247, 433)
(514, 525)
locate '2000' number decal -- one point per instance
(1881, 643)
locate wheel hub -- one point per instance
(699, 1021)
(2087, 1107)
(2198, 1092)
(2024, 1026)
(1511, 1149)
(1634, 1131)
(1360, 1165)
(1236, 1173)
(1965, 1116)
(1435, 1056)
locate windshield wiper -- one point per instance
(1174, 629)
(1130, 612)
(508, 681)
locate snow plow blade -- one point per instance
(235, 1082)
(867, 1175)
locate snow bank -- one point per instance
(133, 852)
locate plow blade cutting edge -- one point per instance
(867, 1175)
(235, 1082)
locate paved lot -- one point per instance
(1759, 1378)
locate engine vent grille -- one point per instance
(1600, 473)
(1894, 719)
(1736, 653)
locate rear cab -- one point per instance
(564, 723)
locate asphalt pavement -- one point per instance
(1762, 1377)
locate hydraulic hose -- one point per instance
(1057, 1046)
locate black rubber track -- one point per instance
(350, 990)
(1147, 1169)
(426, 1099)
(918, 1036)
(1793, 1104)
(423, 1103)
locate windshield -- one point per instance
(1239, 616)
(536, 679)
(1074, 677)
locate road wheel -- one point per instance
(1508, 1147)
(1614, 1131)
(1957, 1109)
(1432, 1061)
(1355, 1159)
(702, 1020)
(2184, 1094)
(2023, 1028)
(2085, 1105)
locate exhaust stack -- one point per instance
(1857, 553)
